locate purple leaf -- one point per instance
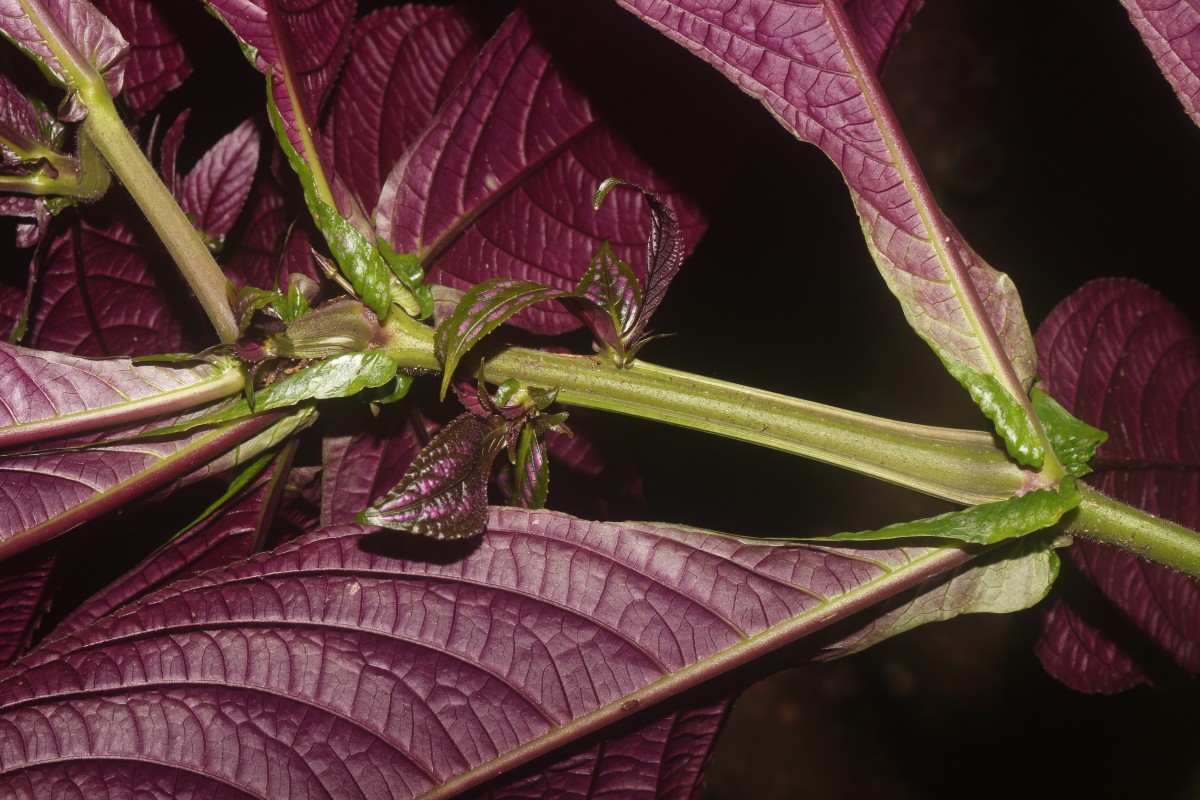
(71, 39)
(269, 249)
(24, 582)
(806, 64)
(362, 466)
(234, 532)
(102, 294)
(880, 24)
(28, 147)
(481, 310)
(339, 671)
(403, 63)
(1171, 30)
(1121, 357)
(46, 395)
(216, 189)
(444, 492)
(300, 43)
(482, 194)
(157, 61)
(48, 493)
(611, 299)
(172, 140)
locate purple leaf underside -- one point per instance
(402, 65)
(1171, 31)
(805, 62)
(216, 189)
(40, 27)
(300, 43)
(157, 61)
(499, 184)
(1119, 356)
(341, 669)
(24, 581)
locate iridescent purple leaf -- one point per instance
(157, 61)
(216, 189)
(482, 193)
(1171, 30)
(610, 298)
(387, 677)
(403, 63)
(444, 493)
(363, 459)
(1122, 358)
(72, 40)
(807, 65)
(483, 309)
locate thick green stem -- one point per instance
(182, 241)
(1110, 521)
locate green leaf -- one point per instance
(1073, 440)
(336, 377)
(983, 524)
(531, 470)
(355, 254)
(483, 309)
(412, 294)
(1021, 438)
(291, 307)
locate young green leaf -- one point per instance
(1074, 441)
(531, 470)
(444, 492)
(342, 376)
(983, 524)
(355, 254)
(481, 310)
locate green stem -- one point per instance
(182, 241)
(1110, 521)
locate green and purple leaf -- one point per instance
(389, 677)
(482, 193)
(806, 64)
(480, 311)
(610, 298)
(443, 494)
(1122, 358)
(71, 40)
(1171, 31)
(531, 470)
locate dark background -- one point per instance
(1052, 141)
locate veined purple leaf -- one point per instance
(880, 24)
(403, 63)
(72, 40)
(610, 299)
(362, 466)
(101, 294)
(301, 44)
(443, 493)
(157, 62)
(23, 596)
(483, 309)
(481, 194)
(390, 678)
(805, 62)
(1171, 30)
(216, 189)
(1122, 358)
(270, 249)
(234, 532)
(46, 494)
(46, 395)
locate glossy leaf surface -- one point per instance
(1122, 358)
(552, 628)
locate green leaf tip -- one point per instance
(1074, 441)
(1019, 433)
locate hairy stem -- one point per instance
(127, 161)
(1110, 521)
